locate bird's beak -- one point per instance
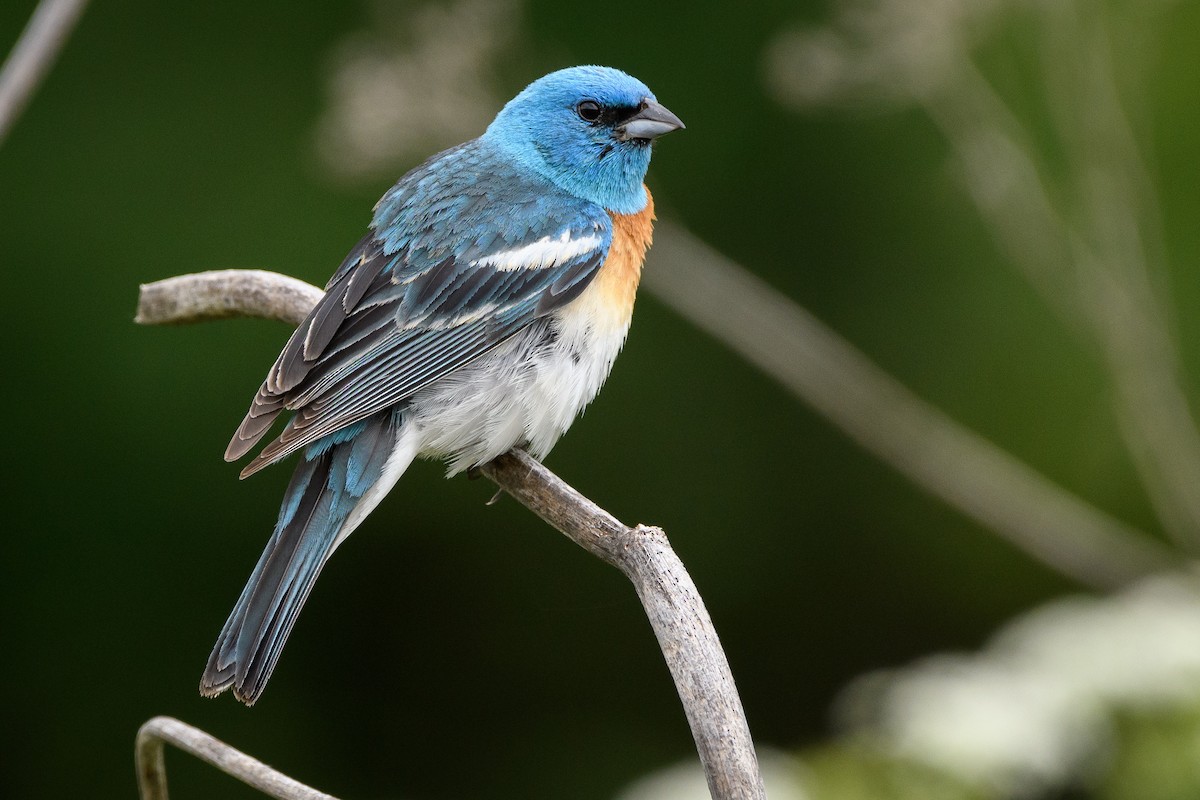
(649, 122)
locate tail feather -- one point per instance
(338, 481)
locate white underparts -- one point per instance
(527, 391)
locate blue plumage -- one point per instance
(330, 481)
(583, 160)
(457, 328)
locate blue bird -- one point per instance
(482, 311)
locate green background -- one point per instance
(459, 650)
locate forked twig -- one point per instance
(674, 608)
(1073, 210)
(1094, 266)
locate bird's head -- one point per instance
(588, 130)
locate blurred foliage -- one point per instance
(849, 772)
(1156, 756)
(459, 650)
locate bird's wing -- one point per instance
(455, 264)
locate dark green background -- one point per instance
(456, 650)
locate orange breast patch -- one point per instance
(617, 281)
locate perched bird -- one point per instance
(482, 311)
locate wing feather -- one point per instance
(451, 269)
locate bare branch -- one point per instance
(152, 771)
(221, 294)
(676, 612)
(31, 57)
(881, 414)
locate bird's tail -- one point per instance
(339, 480)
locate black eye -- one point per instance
(588, 110)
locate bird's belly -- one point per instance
(526, 392)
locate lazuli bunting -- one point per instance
(482, 311)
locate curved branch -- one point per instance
(225, 293)
(680, 621)
(673, 606)
(152, 770)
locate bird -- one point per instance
(482, 311)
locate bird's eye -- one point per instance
(588, 110)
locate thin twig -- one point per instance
(881, 414)
(31, 57)
(1090, 240)
(1120, 262)
(676, 612)
(1094, 272)
(152, 771)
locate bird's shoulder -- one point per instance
(472, 201)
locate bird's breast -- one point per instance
(607, 303)
(618, 279)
